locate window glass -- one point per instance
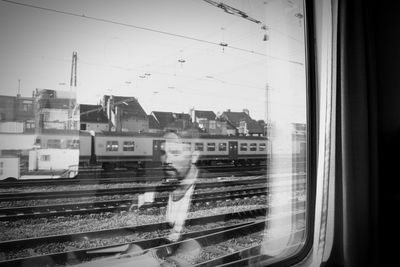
(210, 146)
(253, 146)
(262, 146)
(243, 147)
(187, 146)
(213, 93)
(129, 146)
(198, 146)
(112, 146)
(222, 146)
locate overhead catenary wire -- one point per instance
(109, 21)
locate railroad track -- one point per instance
(205, 237)
(68, 209)
(118, 191)
(99, 190)
(97, 177)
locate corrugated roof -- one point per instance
(209, 115)
(92, 113)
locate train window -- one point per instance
(112, 146)
(167, 85)
(129, 146)
(187, 146)
(262, 147)
(253, 146)
(243, 146)
(198, 146)
(210, 146)
(222, 146)
(1, 167)
(54, 143)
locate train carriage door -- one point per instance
(233, 150)
(158, 145)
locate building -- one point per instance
(16, 113)
(169, 121)
(163, 118)
(208, 122)
(154, 126)
(56, 113)
(125, 114)
(93, 118)
(243, 123)
(53, 112)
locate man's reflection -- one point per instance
(179, 162)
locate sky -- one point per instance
(165, 53)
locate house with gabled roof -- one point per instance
(154, 126)
(243, 123)
(169, 121)
(93, 118)
(125, 114)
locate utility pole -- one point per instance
(72, 84)
(267, 111)
(19, 88)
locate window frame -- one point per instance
(197, 145)
(132, 145)
(253, 147)
(211, 148)
(311, 156)
(111, 144)
(225, 146)
(243, 147)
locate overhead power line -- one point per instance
(83, 16)
(231, 10)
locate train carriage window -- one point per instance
(198, 146)
(187, 146)
(253, 146)
(222, 146)
(1, 167)
(243, 146)
(112, 146)
(54, 143)
(129, 146)
(210, 146)
(262, 147)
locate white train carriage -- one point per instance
(244, 150)
(127, 149)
